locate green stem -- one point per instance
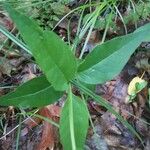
(88, 113)
(71, 120)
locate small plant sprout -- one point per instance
(135, 86)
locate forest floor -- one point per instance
(31, 133)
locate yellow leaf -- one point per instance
(132, 85)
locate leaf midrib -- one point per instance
(28, 95)
(71, 120)
(54, 62)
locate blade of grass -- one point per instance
(74, 10)
(106, 28)
(85, 102)
(134, 10)
(120, 15)
(14, 39)
(92, 21)
(89, 24)
(18, 133)
(44, 118)
(5, 41)
(75, 42)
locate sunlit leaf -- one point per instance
(51, 53)
(34, 93)
(108, 59)
(73, 123)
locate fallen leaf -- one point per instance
(5, 67)
(49, 135)
(132, 88)
(49, 131)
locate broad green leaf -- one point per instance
(51, 53)
(73, 123)
(34, 93)
(108, 59)
(143, 28)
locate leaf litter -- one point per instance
(36, 133)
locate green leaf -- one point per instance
(140, 86)
(142, 28)
(51, 53)
(34, 93)
(108, 59)
(73, 123)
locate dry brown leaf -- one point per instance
(5, 67)
(49, 131)
(48, 137)
(48, 134)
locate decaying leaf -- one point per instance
(5, 67)
(49, 131)
(136, 85)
